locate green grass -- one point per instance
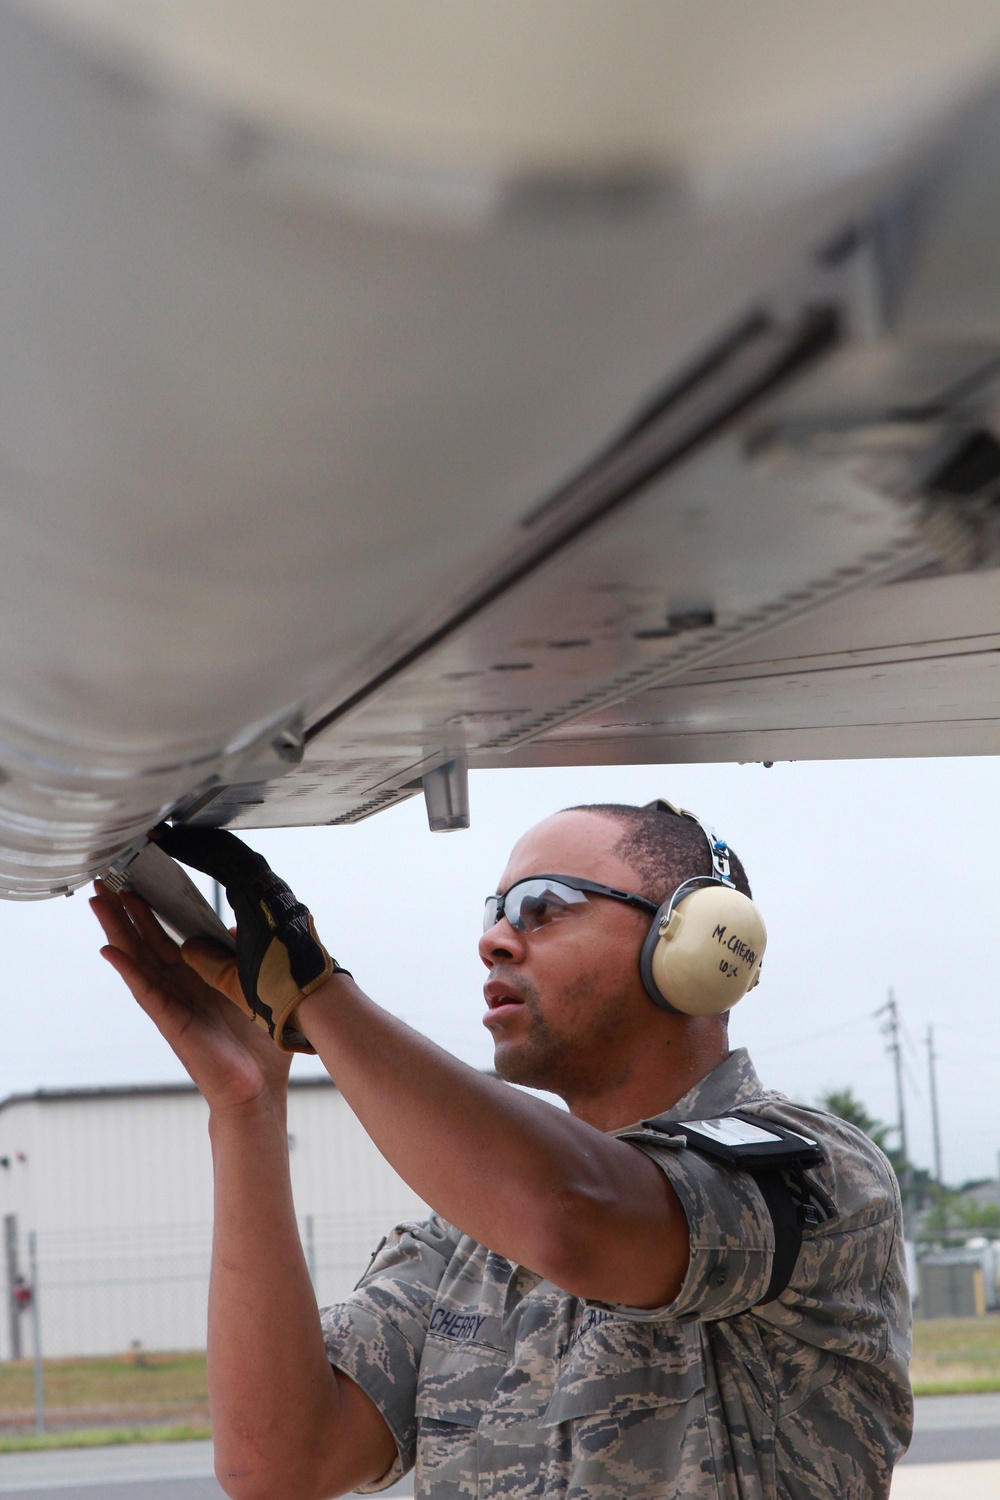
(953, 1355)
(152, 1398)
(164, 1397)
(102, 1437)
(162, 1382)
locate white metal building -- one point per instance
(116, 1185)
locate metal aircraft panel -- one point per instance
(347, 436)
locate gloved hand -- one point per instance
(279, 957)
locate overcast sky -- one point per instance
(869, 874)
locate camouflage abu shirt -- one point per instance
(496, 1383)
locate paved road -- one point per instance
(161, 1471)
(956, 1450)
(956, 1429)
(153, 1471)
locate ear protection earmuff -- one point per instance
(704, 948)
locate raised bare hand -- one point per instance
(193, 997)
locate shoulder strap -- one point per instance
(781, 1204)
(792, 1203)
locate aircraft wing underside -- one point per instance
(329, 473)
(751, 602)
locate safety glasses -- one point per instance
(540, 899)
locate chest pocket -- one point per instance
(457, 1381)
(615, 1367)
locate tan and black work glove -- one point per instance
(279, 957)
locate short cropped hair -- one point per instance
(663, 849)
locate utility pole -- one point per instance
(935, 1121)
(10, 1249)
(894, 1048)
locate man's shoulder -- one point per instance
(434, 1254)
(860, 1170)
(858, 1175)
(818, 1124)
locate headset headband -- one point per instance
(718, 848)
(703, 950)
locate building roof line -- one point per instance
(134, 1090)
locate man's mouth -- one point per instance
(501, 1000)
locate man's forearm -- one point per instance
(273, 1393)
(515, 1173)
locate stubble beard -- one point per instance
(571, 1061)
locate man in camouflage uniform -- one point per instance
(595, 1310)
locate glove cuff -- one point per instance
(282, 995)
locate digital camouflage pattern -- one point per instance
(496, 1383)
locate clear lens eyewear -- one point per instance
(540, 899)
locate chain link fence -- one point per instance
(106, 1326)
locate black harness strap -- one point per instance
(784, 1208)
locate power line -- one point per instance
(815, 1036)
(914, 1085)
(912, 1050)
(911, 1045)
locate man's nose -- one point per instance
(501, 943)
